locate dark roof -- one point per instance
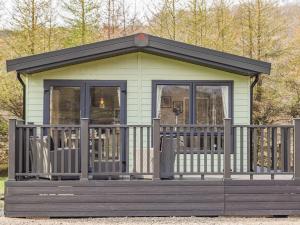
(139, 43)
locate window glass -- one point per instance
(105, 105)
(65, 105)
(211, 104)
(173, 104)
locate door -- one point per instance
(104, 102)
(106, 105)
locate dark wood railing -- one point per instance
(156, 151)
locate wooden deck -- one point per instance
(152, 198)
(189, 170)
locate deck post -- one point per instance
(156, 149)
(227, 148)
(297, 149)
(12, 149)
(84, 147)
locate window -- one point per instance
(173, 104)
(197, 102)
(105, 105)
(64, 105)
(211, 104)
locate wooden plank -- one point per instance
(262, 212)
(285, 197)
(57, 207)
(173, 190)
(111, 213)
(261, 189)
(263, 205)
(113, 198)
(126, 183)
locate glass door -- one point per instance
(105, 105)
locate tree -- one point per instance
(222, 34)
(83, 20)
(198, 30)
(30, 20)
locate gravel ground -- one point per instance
(155, 220)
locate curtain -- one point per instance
(119, 97)
(225, 100)
(158, 99)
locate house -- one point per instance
(145, 126)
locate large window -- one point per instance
(173, 104)
(211, 104)
(203, 103)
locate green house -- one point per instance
(145, 126)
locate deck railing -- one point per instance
(156, 151)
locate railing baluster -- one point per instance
(113, 141)
(62, 152)
(49, 170)
(288, 146)
(198, 150)
(255, 150)
(156, 149)
(249, 144)
(192, 149)
(92, 163)
(120, 142)
(212, 154)
(134, 149)
(69, 142)
(77, 150)
(184, 149)
(269, 161)
(205, 149)
(148, 149)
(99, 150)
(178, 148)
(219, 149)
(275, 149)
(282, 148)
(234, 139)
(127, 148)
(106, 146)
(141, 151)
(20, 149)
(55, 133)
(12, 149)
(241, 149)
(262, 150)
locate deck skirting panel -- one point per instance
(151, 198)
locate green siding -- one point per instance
(139, 69)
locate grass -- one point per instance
(2, 180)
